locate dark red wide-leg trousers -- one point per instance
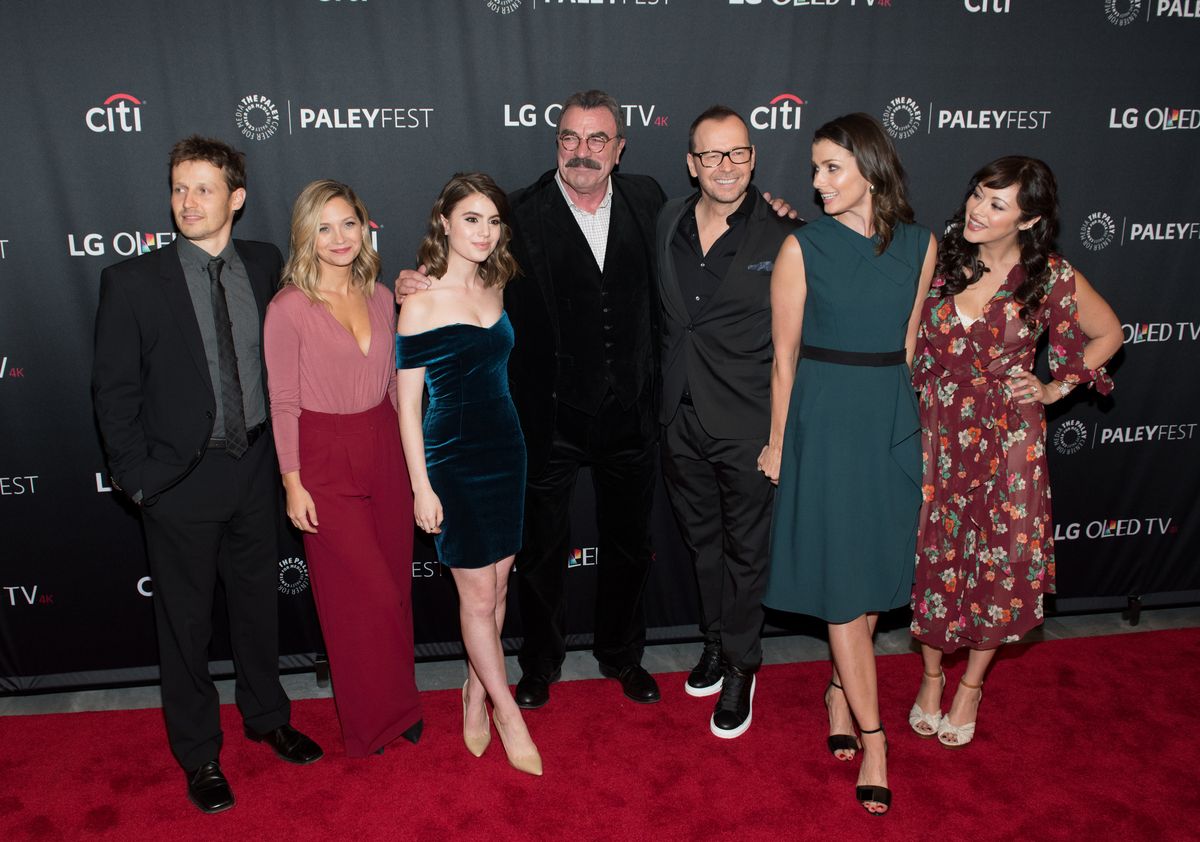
(360, 563)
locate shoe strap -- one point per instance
(964, 683)
(935, 675)
(871, 730)
(834, 684)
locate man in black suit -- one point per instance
(179, 387)
(583, 378)
(716, 249)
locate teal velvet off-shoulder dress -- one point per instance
(474, 450)
(844, 531)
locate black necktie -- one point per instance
(231, 384)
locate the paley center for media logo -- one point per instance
(256, 117)
(1099, 230)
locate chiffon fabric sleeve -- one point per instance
(1066, 338)
(281, 349)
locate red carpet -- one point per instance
(1093, 738)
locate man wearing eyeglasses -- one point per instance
(583, 377)
(716, 249)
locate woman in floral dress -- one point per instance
(985, 551)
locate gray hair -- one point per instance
(588, 100)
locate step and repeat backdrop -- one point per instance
(393, 96)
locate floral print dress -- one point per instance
(985, 546)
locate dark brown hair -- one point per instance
(500, 266)
(713, 112)
(216, 152)
(958, 261)
(862, 136)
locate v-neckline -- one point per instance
(982, 317)
(350, 333)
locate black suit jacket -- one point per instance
(151, 388)
(552, 251)
(724, 354)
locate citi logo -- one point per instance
(373, 227)
(995, 7)
(1163, 118)
(123, 243)
(1139, 333)
(782, 112)
(118, 113)
(145, 587)
(583, 557)
(3, 243)
(1115, 528)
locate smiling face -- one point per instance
(472, 228)
(581, 169)
(727, 182)
(339, 234)
(203, 205)
(993, 215)
(837, 179)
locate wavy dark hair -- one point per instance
(862, 136)
(500, 266)
(958, 261)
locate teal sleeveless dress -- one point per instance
(474, 449)
(843, 537)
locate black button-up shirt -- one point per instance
(700, 274)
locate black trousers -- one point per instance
(618, 446)
(723, 505)
(221, 520)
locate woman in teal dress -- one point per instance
(844, 445)
(466, 456)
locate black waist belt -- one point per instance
(872, 359)
(251, 435)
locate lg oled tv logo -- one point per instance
(7, 370)
(782, 112)
(1158, 118)
(1140, 333)
(22, 596)
(583, 557)
(1118, 527)
(123, 243)
(118, 113)
(528, 114)
(1099, 230)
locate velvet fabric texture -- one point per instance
(474, 450)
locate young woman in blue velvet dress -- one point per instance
(466, 456)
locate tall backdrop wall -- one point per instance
(393, 96)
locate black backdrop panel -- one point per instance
(393, 97)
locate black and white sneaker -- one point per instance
(735, 708)
(705, 677)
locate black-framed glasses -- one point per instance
(596, 142)
(712, 158)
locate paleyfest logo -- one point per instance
(257, 117)
(1097, 231)
(902, 117)
(1122, 12)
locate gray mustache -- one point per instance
(586, 163)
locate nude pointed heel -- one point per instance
(475, 744)
(529, 763)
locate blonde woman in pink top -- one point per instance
(332, 380)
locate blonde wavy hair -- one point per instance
(303, 269)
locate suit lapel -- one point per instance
(672, 295)
(179, 302)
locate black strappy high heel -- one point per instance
(840, 742)
(874, 792)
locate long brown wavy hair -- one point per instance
(500, 266)
(958, 261)
(862, 136)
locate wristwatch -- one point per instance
(1064, 388)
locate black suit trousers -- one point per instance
(723, 506)
(618, 446)
(221, 520)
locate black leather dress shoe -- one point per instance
(533, 690)
(705, 677)
(208, 789)
(638, 684)
(289, 744)
(735, 707)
